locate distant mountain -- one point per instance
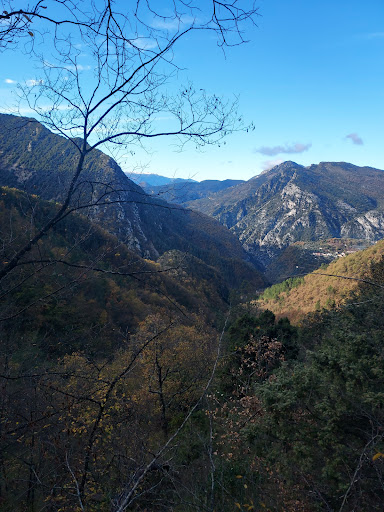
(154, 180)
(182, 193)
(293, 203)
(39, 162)
(177, 190)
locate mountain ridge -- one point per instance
(293, 203)
(253, 221)
(183, 192)
(154, 180)
(40, 162)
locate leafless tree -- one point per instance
(21, 22)
(114, 101)
(117, 100)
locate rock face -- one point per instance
(293, 203)
(39, 162)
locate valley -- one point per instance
(293, 209)
(191, 256)
(151, 331)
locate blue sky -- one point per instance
(311, 80)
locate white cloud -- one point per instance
(288, 148)
(33, 82)
(163, 118)
(10, 81)
(28, 110)
(355, 139)
(171, 24)
(268, 164)
(144, 43)
(19, 110)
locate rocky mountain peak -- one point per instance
(292, 203)
(288, 165)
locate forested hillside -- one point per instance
(42, 163)
(158, 384)
(85, 273)
(106, 356)
(146, 364)
(102, 355)
(125, 378)
(303, 431)
(328, 287)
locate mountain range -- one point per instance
(39, 162)
(279, 215)
(155, 180)
(183, 192)
(292, 203)
(265, 224)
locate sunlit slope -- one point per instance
(292, 203)
(296, 297)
